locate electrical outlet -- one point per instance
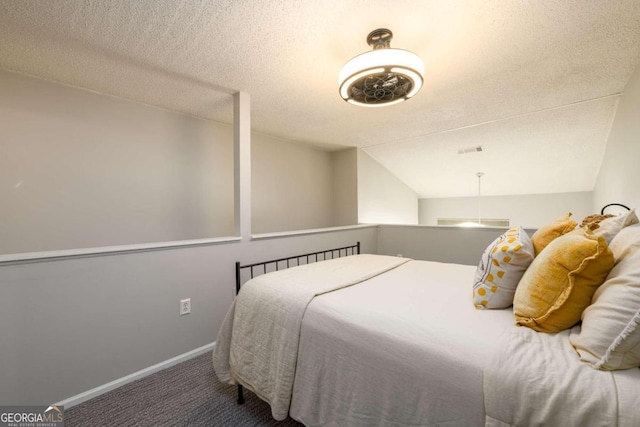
(185, 306)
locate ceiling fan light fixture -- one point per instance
(383, 76)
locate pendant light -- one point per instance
(383, 76)
(479, 175)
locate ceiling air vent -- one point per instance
(467, 150)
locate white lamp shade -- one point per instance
(397, 61)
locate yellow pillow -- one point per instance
(546, 234)
(561, 281)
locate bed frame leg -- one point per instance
(240, 395)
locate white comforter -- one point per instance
(536, 379)
(405, 349)
(258, 342)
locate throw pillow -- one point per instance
(610, 227)
(609, 338)
(561, 281)
(502, 265)
(594, 219)
(546, 234)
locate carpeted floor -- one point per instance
(188, 394)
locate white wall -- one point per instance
(71, 324)
(67, 326)
(79, 169)
(345, 187)
(442, 244)
(292, 185)
(382, 197)
(619, 177)
(529, 211)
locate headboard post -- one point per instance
(237, 277)
(358, 248)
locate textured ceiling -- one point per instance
(535, 83)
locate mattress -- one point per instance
(391, 351)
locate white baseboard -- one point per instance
(90, 394)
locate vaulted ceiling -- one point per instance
(536, 84)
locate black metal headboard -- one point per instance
(284, 263)
(614, 204)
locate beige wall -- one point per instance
(80, 169)
(382, 197)
(530, 210)
(77, 322)
(442, 244)
(345, 187)
(619, 177)
(292, 186)
(73, 324)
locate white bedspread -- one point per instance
(258, 342)
(536, 379)
(407, 349)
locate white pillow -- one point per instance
(610, 227)
(502, 265)
(610, 335)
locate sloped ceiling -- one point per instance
(535, 83)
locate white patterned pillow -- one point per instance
(502, 265)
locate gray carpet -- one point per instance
(187, 394)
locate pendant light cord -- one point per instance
(479, 215)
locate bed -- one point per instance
(365, 340)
